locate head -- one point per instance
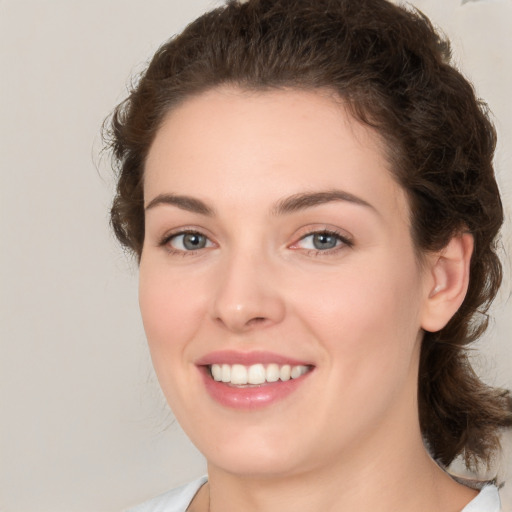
(390, 70)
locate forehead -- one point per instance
(278, 142)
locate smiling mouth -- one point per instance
(256, 374)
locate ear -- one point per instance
(447, 282)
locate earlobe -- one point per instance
(448, 282)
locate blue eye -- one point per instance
(190, 241)
(323, 241)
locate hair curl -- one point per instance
(393, 71)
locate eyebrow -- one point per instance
(190, 204)
(306, 200)
(294, 203)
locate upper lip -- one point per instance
(247, 358)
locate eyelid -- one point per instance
(345, 239)
(165, 240)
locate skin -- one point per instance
(348, 437)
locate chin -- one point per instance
(257, 454)
(254, 465)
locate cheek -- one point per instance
(367, 317)
(170, 309)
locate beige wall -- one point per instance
(83, 425)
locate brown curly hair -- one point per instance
(393, 71)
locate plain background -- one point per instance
(83, 424)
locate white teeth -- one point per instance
(285, 372)
(297, 371)
(272, 372)
(238, 374)
(256, 374)
(226, 373)
(216, 372)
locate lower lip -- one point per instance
(250, 397)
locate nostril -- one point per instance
(257, 320)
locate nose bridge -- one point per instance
(246, 294)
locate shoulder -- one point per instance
(488, 500)
(176, 500)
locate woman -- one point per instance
(308, 187)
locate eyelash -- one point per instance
(344, 242)
(165, 242)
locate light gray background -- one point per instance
(83, 424)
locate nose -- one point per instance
(247, 295)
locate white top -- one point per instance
(179, 499)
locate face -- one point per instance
(279, 287)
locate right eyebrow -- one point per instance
(187, 203)
(303, 201)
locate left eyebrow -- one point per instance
(306, 200)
